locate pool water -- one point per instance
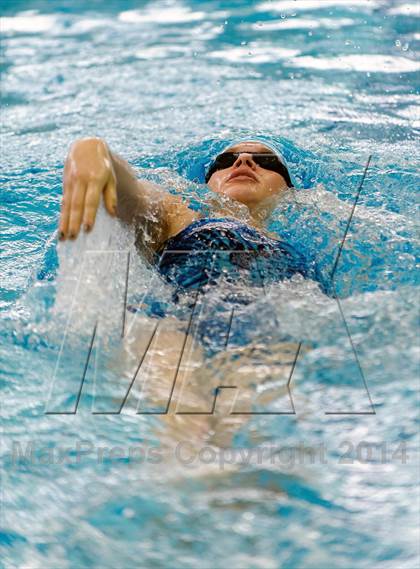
(167, 84)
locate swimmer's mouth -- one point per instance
(244, 174)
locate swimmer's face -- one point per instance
(245, 181)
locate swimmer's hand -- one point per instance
(92, 170)
(88, 174)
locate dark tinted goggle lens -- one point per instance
(265, 160)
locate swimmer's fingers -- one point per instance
(76, 209)
(92, 198)
(64, 216)
(65, 206)
(110, 195)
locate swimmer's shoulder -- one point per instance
(179, 216)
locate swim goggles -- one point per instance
(266, 160)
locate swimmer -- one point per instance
(249, 174)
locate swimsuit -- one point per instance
(211, 248)
(221, 266)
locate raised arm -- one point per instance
(92, 170)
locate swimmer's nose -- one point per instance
(245, 159)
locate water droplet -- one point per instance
(248, 516)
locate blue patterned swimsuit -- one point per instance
(223, 265)
(210, 248)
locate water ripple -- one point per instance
(168, 84)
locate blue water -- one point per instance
(167, 84)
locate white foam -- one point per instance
(300, 23)
(412, 113)
(173, 15)
(89, 24)
(28, 22)
(371, 63)
(406, 10)
(96, 252)
(160, 51)
(255, 54)
(287, 5)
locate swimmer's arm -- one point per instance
(155, 214)
(92, 171)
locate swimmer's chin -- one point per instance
(242, 192)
